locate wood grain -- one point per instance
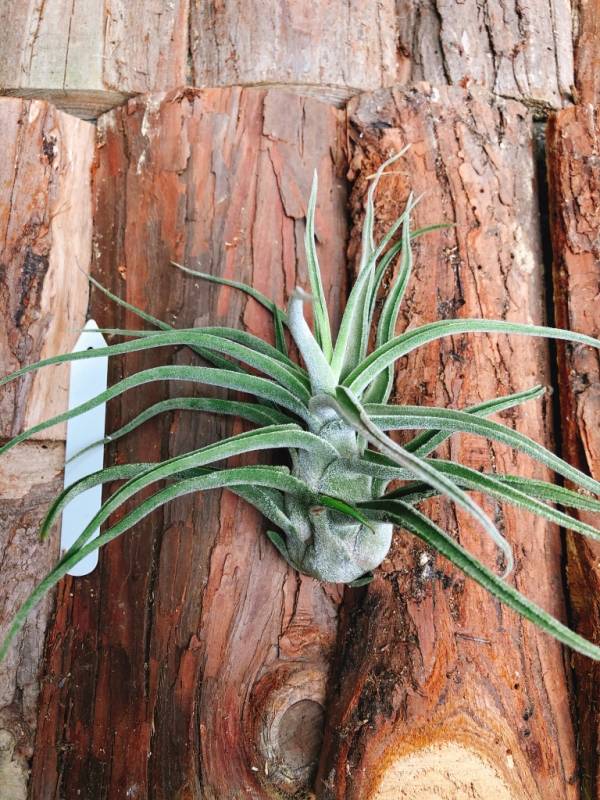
(574, 180)
(193, 662)
(87, 57)
(440, 690)
(337, 49)
(45, 252)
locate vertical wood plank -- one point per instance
(441, 691)
(587, 51)
(45, 250)
(193, 662)
(574, 183)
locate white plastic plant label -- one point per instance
(88, 379)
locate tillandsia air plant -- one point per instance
(332, 506)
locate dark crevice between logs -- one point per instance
(554, 401)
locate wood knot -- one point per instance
(288, 716)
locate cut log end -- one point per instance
(87, 104)
(446, 771)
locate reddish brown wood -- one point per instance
(440, 690)
(192, 663)
(574, 177)
(587, 51)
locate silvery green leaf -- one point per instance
(321, 315)
(260, 387)
(451, 421)
(387, 354)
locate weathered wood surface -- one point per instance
(587, 51)
(574, 180)
(192, 663)
(87, 57)
(333, 49)
(45, 251)
(520, 51)
(30, 477)
(440, 691)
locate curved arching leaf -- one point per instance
(352, 411)
(451, 421)
(253, 412)
(245, 476)
(387, 354)
(250, 384)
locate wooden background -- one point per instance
(193, 663)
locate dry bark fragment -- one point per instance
(574, 179)
(87, 57)
(440, 690)
(187, 664)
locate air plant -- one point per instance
(332, 507)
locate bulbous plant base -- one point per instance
(325, 544)
(338, 552)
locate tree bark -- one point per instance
(45, 250)
(193, 662)
(87, 57)
(332, 49)
(574, 180)
(440, 691)
(516, 50)
(587, 51)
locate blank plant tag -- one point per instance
(88, 379)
